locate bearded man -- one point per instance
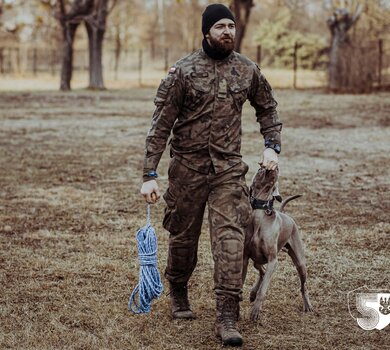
(200, 102)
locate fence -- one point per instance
(148, 64)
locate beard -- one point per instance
(225, 45)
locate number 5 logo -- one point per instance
(374, 309)
(364, 304)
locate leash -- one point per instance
(149, 286)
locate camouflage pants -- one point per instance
(229, 212)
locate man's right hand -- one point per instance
(150, 191)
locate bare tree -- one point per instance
(242, 10)
(94, 14)
(339, 24)
(69, 21)
(95, 23)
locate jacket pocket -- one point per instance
(239, 91)
(197, 91)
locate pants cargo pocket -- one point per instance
(245, 208)
(170, 214)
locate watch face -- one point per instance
(152, 173)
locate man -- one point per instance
(200, 101)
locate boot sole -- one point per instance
(232, 342)
(183, 315)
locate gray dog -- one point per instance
(269, 232)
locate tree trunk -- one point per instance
(96, 28)
(68, 31)
(242, 10)
(95, 44)
(94, 13)
(339, 24)
(118, 50)
(334, 65)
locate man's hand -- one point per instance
(270, 159)
(150, 191)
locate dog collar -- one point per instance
(267, 206)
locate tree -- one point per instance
(95, 24)
(69, 22)
(242, 10)
(342, 20)
(278, 38)
(94, 14)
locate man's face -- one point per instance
(221, 35)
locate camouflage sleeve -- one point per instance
(262, 99)
(168, 103)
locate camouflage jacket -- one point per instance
(200, 101)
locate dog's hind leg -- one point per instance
(296, 251)
(264, 284)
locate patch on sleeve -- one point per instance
(172, 70)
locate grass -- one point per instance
(70, 174)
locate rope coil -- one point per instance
(149, 286)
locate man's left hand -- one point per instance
(270, 159)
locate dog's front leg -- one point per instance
(260, 296)
(255, 288)
(244, 268)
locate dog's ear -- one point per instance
(278, 198)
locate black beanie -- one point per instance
(212, 14)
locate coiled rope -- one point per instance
(149, 286)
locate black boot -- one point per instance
(180, 305)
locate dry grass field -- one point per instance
(70, 173)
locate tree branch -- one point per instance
(357, 13)
(113, 4)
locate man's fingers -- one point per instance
(266, 164)
(155, 196)
(269, 165)
(148, 198)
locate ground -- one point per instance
(70, 174)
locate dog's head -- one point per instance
(264, 184)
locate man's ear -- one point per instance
(207, 36)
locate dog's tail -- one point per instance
(288, 199)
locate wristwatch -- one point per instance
(275, 146)
(152, 173)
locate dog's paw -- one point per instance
(308, 307)
(255, 314)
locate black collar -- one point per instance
(268, 206)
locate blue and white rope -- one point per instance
(149, 286)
